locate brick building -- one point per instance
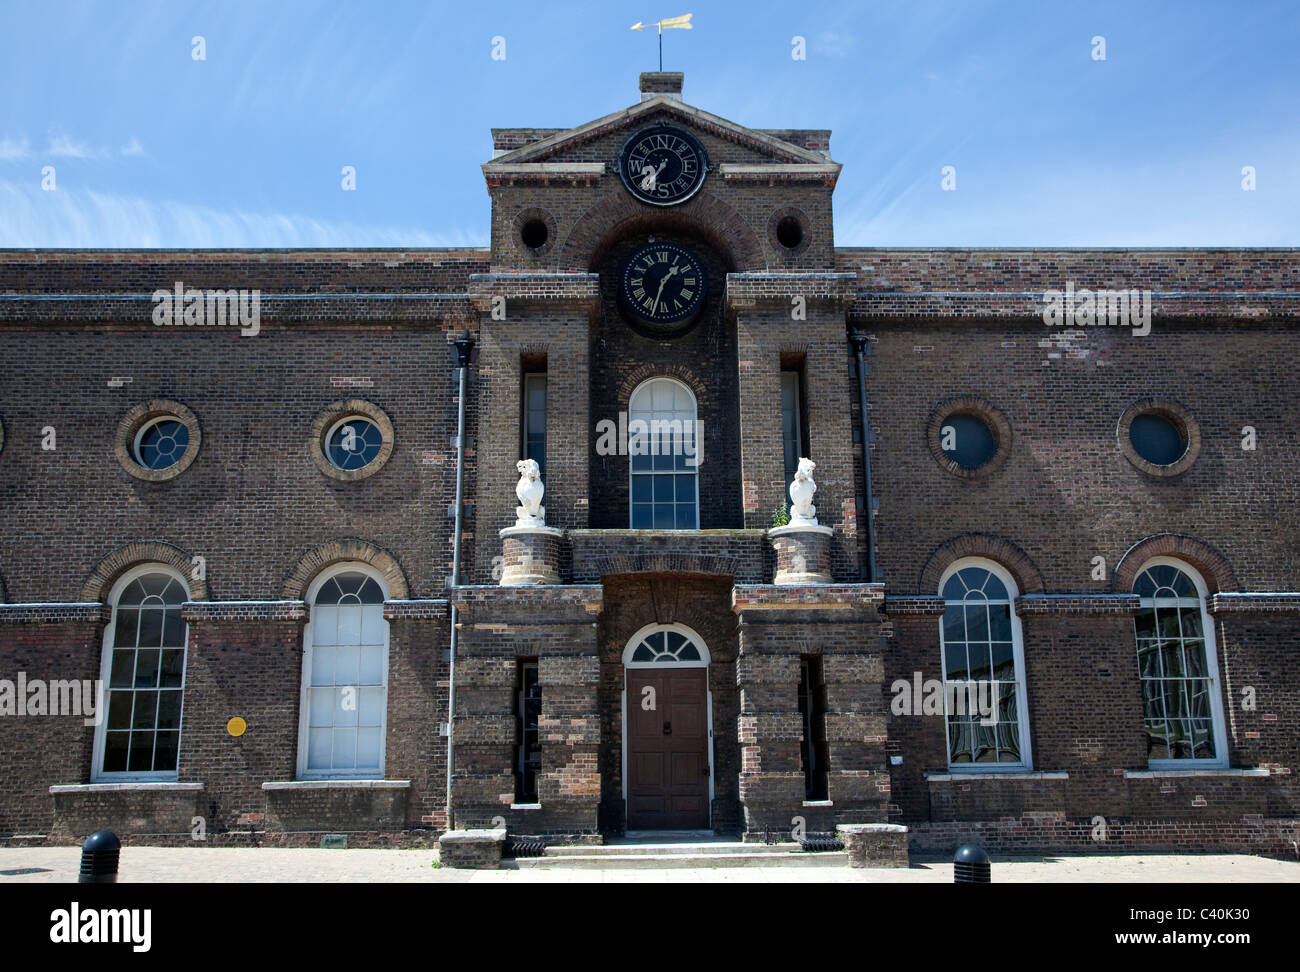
(1046, 597)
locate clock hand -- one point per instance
(655, 306)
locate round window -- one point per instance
(967, 440)
(352, 443)
(1157, 438)
(161, 443)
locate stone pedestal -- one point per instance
(803, 553)
(479, 849)
(530, 555)
(875, 844)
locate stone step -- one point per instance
(671, 849)
(700, 859)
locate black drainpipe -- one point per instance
(862, 345)
(463, 347)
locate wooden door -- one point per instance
(667, 749)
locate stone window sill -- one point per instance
(819, 803)
(525, 806)
(1030, 775)
(337, 785)
(1208, 771)
(125, 786)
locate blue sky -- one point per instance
(1051, 147)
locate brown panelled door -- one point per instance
(667, 749)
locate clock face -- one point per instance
(662, 165)
(663, 285)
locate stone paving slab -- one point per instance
(281, 865)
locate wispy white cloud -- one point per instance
(31, 217)
(14, 149)
(833, 43)
(62, 146)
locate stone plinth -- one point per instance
(479, 849)
(875, 844)
(530, 555)
(803, 554)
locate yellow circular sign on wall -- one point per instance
(236, 726)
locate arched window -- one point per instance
(143, 673)
(665, 644)
(982, 649)
(344, 676)
(664, 455)
(1182, 707)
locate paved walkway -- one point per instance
(275, 865)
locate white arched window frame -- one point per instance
(142, 674)
(979, 634)
(668, 653)
(664, 487)
(343, 702)
(1178, 669)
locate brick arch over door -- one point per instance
(1211, 564)
(671, 598)
(704, 215)
(1029, 579)
(341, 551)
(108, 570)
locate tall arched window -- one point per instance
(663, 456)
(143, 673)
(1182, 707)
(344, 677)
(985, 708)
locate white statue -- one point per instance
(529, 489)
(802, 512)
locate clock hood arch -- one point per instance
(704, 217)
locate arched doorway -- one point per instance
(667, 730)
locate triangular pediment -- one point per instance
(569, 144)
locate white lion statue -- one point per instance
(802, 512)
(529, 489)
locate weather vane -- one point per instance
(682, 23)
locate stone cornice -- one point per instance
(588, 598)
(775, 290)
(124, 310)
(433, 609)
(1077, 604)
(535, 289)
(543, 173)
(826, 173)
(673, 106)
(766, 597)
(240, 612)
(1252, 602)
(913, 605)
(87, 612)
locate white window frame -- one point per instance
(139, 437)
(329, 435)
(1220, 761)
(705, 660)
(642, 388)
(1026, 763)
(304, 712)
(97, 774)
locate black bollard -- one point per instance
(971, 865)
(99, 857)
